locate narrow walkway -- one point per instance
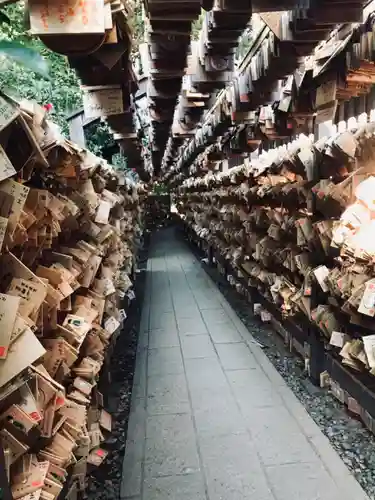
(211, 419)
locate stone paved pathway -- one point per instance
(211, 419)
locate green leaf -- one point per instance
(25, 56)
(4, 18)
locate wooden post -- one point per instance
(5, 493)
(76, 130)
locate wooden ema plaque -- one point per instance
(67, 17)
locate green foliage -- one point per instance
(98, 137)
(245, 42)
(120, 161)
(159, 188)
(4, 18)
(62, 89)
(26, 57)
(137, 27)
(197, 26)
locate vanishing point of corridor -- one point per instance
(211, 418)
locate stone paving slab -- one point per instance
(211, 418)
